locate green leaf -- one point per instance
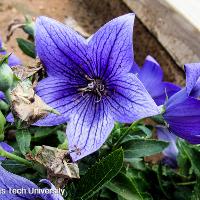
(196, 191)
(145, 130)
(4, 59)
(192, 154)
(4, 106)
(136, 163)
(99, 174)
(61, 136)
(159, 176)
(138, 178)
(27, 47)
(2, 123)
(124, 187)
(23, 137)
(42, 132)
(107, 194)
(183, 161)
(137, 148)
(14, 166)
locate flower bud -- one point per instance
(29, 26)
(6, 77)
(4, 106)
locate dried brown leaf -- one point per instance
(28, 106)
(15, 24)
(57, 163)
(23, 72)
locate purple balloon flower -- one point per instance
(151, 75)
(182, 110)
(5, 147)
(171, 152)
(89, 81)
(182, 114)
(27, 189)
(13, 60)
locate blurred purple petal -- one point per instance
(150, 73)
(171, 88)
(1, 43)
(163, 134)
(151, 76)
(183, 116)
(168, 90)
(5, 147)
(135, 69)
(13, 60)
(10, 118)
(2, 96)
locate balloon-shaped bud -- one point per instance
(6, 77)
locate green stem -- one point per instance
(187, 183)
(11, 156)
(117, 144)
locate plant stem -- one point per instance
(187, 183)
(11, 156)
(117, 144)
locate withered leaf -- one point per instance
(28, 106)
(23, 72)
(15, 24)
(56, 162)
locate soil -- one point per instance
(89, 15)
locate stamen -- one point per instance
(94, 86)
